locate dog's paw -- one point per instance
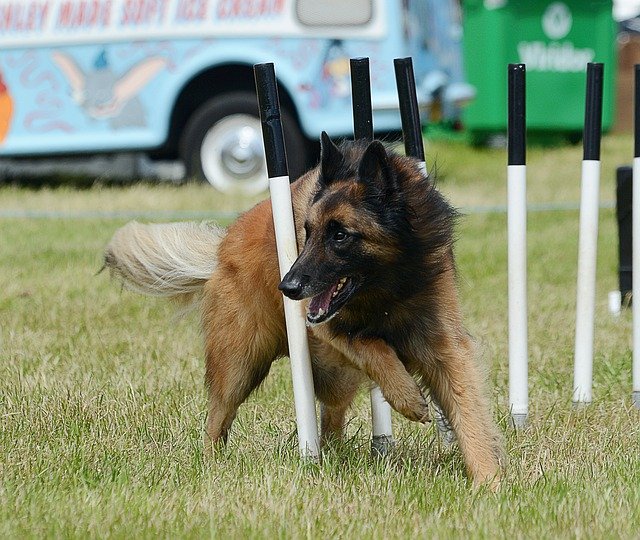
(416, 410)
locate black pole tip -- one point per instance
(516, 126)
(267, 90)
(359, 63)
(269, 109)
(636, 125)
(409, 112)
(593, 112)
(361, 98)
(403, 63)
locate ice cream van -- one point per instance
(174, 79)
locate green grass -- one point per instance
(102, 404)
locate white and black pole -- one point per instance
(275, 154)
(414, 147)
(588, 243)
(635, 249)
(517, 245)
(382, 429)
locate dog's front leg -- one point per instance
(380, 362)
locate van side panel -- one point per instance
(119, 95)
(85, 97)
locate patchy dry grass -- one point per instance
(102, 401)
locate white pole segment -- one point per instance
(635, 253)
(381, 422)
(517, 283)
(586, 290)
(382, 428)
(307, 422)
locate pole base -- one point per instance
(636, 398)
(518, 421)
(311, 457)
(579, 405)
(444, 428)
(381, 445)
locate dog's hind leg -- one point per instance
(332, 420)
(240, 347)
(457, 387)
(230, 377)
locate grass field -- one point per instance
(102, 404)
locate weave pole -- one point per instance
(414, 147)
(588, 245)
(635, 249)
(517, 244)
(275, 153)
(409, 112)
(382, 429)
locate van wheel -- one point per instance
(222, 144)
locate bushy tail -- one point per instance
(169, 259)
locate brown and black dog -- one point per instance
(377, 275)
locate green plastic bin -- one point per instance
(555, 40)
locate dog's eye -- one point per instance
(340, 236)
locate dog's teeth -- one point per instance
(320, 312)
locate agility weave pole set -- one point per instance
(382, 439)
(588, 240)
(275, 154)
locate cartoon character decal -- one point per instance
(105, 96)
(336, 70)
(333, 81)
(6, 109)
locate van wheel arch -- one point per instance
(230, 91)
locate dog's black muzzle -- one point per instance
(293, 285)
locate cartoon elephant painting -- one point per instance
(105, 96)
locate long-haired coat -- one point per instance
(377, 274)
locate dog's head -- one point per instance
(351, 228)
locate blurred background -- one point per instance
(131, 89)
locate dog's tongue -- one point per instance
(321, 301)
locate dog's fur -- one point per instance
(376, 273)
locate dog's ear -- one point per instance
(375, 169)
(331, 159)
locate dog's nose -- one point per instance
(291, 287)
(294, 284)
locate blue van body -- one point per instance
(96, 76)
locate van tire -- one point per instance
(210, 151)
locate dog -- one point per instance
(377, 276)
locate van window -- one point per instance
(334, 12)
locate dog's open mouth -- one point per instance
(325, 305)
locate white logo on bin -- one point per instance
(557, 20)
